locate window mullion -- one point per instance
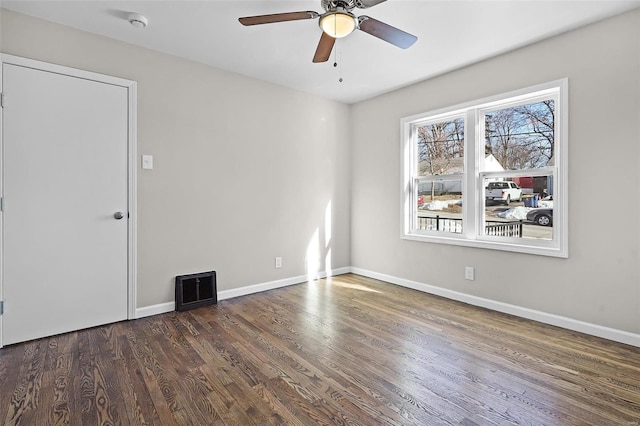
(471, 198)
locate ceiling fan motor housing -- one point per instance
(332, 5)
(349, 5)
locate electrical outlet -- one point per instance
(469, 273)
(278, 262)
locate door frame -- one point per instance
(131, 87)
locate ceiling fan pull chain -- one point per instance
(335, 64)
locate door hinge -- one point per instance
(1, 100)
(1, 204)
(1, 307)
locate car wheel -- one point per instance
(543, 220)
(508, 201)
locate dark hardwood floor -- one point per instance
(344, 351)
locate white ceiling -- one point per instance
(451, 34)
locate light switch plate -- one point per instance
(147, 162)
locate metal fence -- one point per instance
(454, 225)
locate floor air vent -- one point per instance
(196, 290)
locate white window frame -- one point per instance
(473, 192)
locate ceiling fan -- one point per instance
(338, 21)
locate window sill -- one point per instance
(535, 247)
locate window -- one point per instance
(490, 173)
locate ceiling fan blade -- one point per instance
(325, 46)
(277, 17)
(386, 32)
(365, 4)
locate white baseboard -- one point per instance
(160, 308)
(543, 317)
(243, 291)
(257, 288)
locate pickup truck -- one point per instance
(504, 192)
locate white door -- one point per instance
(65, 171)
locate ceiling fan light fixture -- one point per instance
(338, 23)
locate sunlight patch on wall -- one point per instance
(318, 260)
(312, 259)
(327, 239)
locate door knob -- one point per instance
(118, 215)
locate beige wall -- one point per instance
(244, 170)
(600, 282)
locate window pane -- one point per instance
(441, 148)
(440, 206)
(520, 207)
(520, 137)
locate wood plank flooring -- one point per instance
(343, 351)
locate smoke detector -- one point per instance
(137, 20)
